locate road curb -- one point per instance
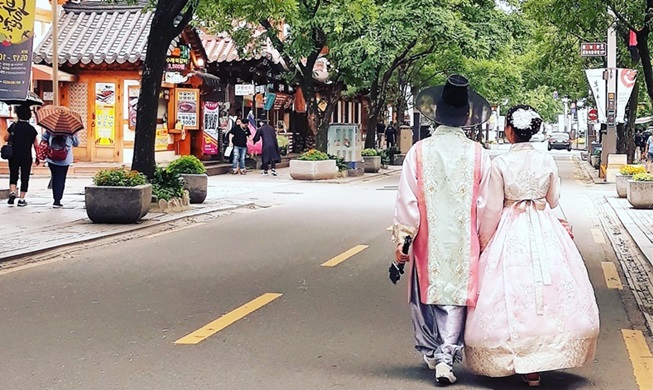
(590, 171)
(13, 255)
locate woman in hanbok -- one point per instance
(536, 309)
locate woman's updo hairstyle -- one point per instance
(525, 121)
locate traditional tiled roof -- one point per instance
(98, 32)
(221, 48)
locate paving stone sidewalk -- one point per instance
(38, 227)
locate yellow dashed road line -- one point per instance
(640, 357)
(344, 256)
(598, 236)
(612, 279)
(214, 327)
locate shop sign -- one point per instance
(211, 128)
(105, 114)
(186, 103)
(244, 89)
(175, 78)
(178, 63)
(161, 139)
(133, 92)
(17, 18)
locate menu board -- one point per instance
(187, 106)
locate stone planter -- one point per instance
(313, 170)
(621, 182)
(372, 163)
(117, 204)
(640, 194)
(196, 185)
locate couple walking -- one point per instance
(491, 264)
(238, 136)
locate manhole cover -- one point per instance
(289, 193)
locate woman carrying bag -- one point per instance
(21, 136)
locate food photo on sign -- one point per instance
(187, 110)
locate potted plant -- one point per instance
(193, 173)
(117, 195)
(626, 173)
(640, 191)
(595, 158)
(371, 160)
(283, 144)
(168, 191)
(313, 165)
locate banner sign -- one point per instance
(105, 114)
(211, 128)
(16, 37)
(598, 87)
(625, 84)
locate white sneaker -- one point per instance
(444, 374)
(430, 361)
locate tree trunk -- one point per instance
(373, 115)
(162, 31)
(625, 133)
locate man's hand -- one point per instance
(400, 255)
(37, 162)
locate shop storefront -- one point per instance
(105, 60)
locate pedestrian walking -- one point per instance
(639, 146)
(270, 151)
(536, 309)
(59, 156)
(441, 196)
(238, 142)
(390, 135)
(380, 131)
(649, 153)
(23, 137)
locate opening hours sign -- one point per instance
(594, 49)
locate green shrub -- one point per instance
(369, 152)
(632, 169)
(643, 177)
(340, 162)
(119, 177)
(313, 155)
(167, 184)
(187, 164)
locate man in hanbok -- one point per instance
(441, 197)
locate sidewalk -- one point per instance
(638, 223)
(39, 227)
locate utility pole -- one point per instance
(55, 54)
(609, 140)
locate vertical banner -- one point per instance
(16, 36)
(211, 128)
(625, 84)
(105, 114)
(598, 87)
(133, 92)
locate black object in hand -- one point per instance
(397, 269)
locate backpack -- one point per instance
(57, 149)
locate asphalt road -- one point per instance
(108, 315)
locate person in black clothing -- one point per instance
(270, 154)
(390, 135)
(22, 136)
(380, 130)
(238, 140)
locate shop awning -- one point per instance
(208, 79)
(641, 121)
(44, 72)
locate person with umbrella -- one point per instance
(22, 137)
(57, 144)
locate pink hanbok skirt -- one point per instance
(536, 309)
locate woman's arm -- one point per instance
(75, 140)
